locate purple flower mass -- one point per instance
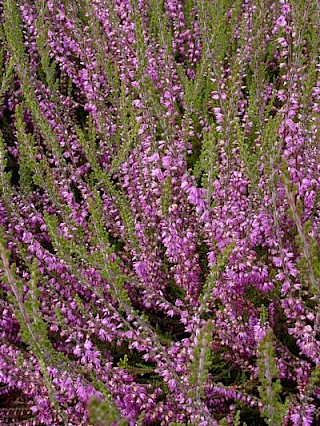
(159, 212)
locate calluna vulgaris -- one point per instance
(160, 212)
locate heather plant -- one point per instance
(159, 212)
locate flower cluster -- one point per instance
(159, 212)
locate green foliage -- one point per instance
(263, 314)
(100, 180)
(270, 389)
(216, 30)
(27, 154)
(5, 189)
(309, 247)
(217, 269)
(166, 196)
(13, 32)
(202, 361)
(128, 133)
(310, 258)
(14, 37)
(198, 102)
(159, 26)
(314, 381)
(6, 75)
(205, 168)
(104, 413)
(47, 67)
(140, 40)
(236, 421)
(123, 363)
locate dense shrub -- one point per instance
(159, 212)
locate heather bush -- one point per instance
(159, 212)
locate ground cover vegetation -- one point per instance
(159, 212)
